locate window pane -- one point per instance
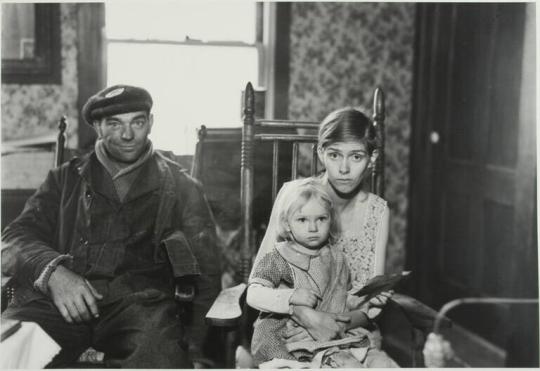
(204, 20)
(190, 85)
(18, 31)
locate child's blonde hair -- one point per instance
(297, 197)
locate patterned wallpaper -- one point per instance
(339, 53)
(34, 110)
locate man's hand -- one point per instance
(74, 296)
(321, 326)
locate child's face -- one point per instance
(310, 225)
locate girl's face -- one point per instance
(310, 225)
(346, 164)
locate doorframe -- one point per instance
(421, 153)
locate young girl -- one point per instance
(346, 148)
(304, 270)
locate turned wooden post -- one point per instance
(246, 179)
(60, 142)
(197, 164)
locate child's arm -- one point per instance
(267, 275)
(263, 294)
(270, 299)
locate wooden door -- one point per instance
(473, 165)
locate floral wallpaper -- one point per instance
(34, 110)
(339, 53)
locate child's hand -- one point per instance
(304, 297)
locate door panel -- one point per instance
(468, 214)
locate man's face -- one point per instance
(125, 135)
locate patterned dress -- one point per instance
(358, 241)
(323, 271)
(359, 248)
(359, 245)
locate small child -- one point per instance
(303, 270)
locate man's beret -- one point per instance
(114, 100)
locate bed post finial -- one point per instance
(249, 102)
(378, 104)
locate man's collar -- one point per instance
(92, 171)
(114, 168)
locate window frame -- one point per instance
(258, 44)
(45, 66)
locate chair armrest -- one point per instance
(226, 310)
(420, 316)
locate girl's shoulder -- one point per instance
(273, 257)
(273, 268)
(376, 200)
(287, 187)
(374, 206)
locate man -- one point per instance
(96, 252)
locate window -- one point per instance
(31, 44)
(193, 57)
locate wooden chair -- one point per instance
(7, 288)
(228, 307)
(91, 357)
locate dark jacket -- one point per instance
(61, 217)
